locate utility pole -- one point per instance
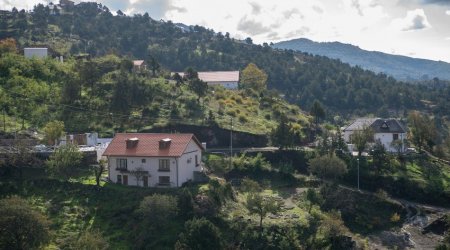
(357, 160)
(231, 143)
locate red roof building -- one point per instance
(161, 159)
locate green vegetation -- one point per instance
(81, 214)
(21, 226)
(302, 78)
(103, 94)
(64, 161)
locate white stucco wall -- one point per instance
(151, 165)
(187, 164)
(385, 138)
(35, 52)
(185, 168)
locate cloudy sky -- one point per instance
(417, 28)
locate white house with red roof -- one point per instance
(153, 160)
(227, 79)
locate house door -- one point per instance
(145, 178)
(125, 180)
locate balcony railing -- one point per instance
(163, 169)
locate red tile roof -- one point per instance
(217, 76)
(148, 145)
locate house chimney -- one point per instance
(132, 142)
(165, 143)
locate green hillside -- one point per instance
(302, 78)
(104, 94)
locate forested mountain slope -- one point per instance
(400, 67)
(302, 78)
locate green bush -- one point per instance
(199, 234)
(243, 118)
(251, 164)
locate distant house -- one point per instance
(153, 160)
(227, 79)
(139, 65)
(85, 139)
(35, 52)
(385, 130)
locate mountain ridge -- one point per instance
(398, 66)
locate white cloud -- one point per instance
(414, 20)
(447, 12)
(27, 5)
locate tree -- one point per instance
(398, 145)
(21, 227)
(90, 239)
(328, 167)
(361, 138)
(283, 135)
(190, 74)
(199, 87)
(99, 169)
(199, 234)
(253, 78)
(158, 208)
(65, 161)
(423, 130)
(313, 197)
(53, 131)
(120, 101)
(154, 65)
(138, 174)
(178, 79)
(338, 143)
(185, 202)
(261, 206)
(8, 45)
(379, 155)
(317, 111)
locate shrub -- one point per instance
(243, 119)
(158, 208)
(395, 218)
(231, 112)
(64, 161)
(251, 164)
(328, 167)
(199, 234)
(21, 227)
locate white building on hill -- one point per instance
(153, 160)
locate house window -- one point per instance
(143, 160)
(164, 180)
(121, 164)
(394, 137)
(196, 160)
(164, 165)
(119, 179)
